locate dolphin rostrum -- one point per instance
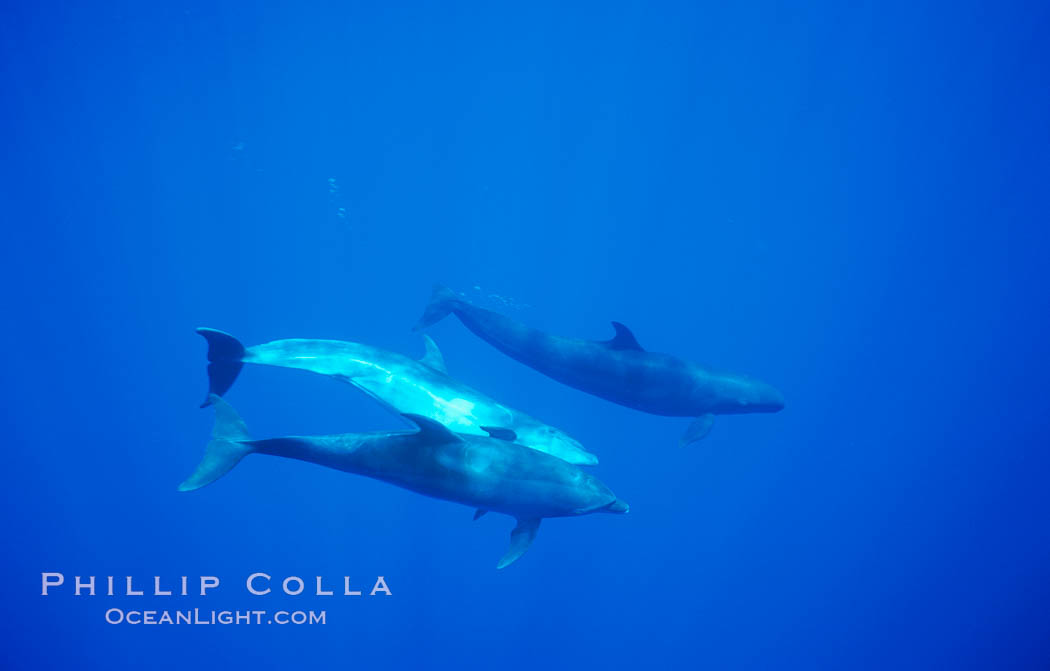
(401, 384)
(489, 474)
(617, 370)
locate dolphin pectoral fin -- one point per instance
(520, 540)
(623, 339)
(224, 361)
(500, 433)
(433, 358)
(432, 431)
(478, 513)
(700, 427)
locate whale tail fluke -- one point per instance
(225, 354)
(228, 445)
(442, 302)
(520, 540)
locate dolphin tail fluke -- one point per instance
(228, 445)
(700, 427)
(225, 354)
(520, 540)
(442, 302)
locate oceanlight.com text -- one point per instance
(199, 616)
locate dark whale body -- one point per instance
(618, 370)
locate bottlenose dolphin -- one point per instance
(618, 370)
(480, 472)
(401, 384)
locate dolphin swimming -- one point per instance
(489, 474)
(618, 370)
(400, 383)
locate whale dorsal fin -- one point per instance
(479, 512)
(623, 339)
(520, 540)
(432, 358)
(432, 431)
(500, 432)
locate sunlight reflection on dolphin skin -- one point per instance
(458, 411)
(478, 462)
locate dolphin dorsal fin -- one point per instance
(500, 433)
(431, 430)
(623, 339)
(432, 358)
(520, 540)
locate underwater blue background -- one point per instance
(847, 202)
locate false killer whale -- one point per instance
(490, 474)
(617, 370)
(401, 384)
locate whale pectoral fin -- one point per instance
(478, 513)
(432, 431)
(433, 358)
(500, 433)
(700, 427)
(520, 540)
(623, 339)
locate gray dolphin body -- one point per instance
(398, 382)
(618, 370)
(485, 473)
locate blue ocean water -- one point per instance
(849, 202)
